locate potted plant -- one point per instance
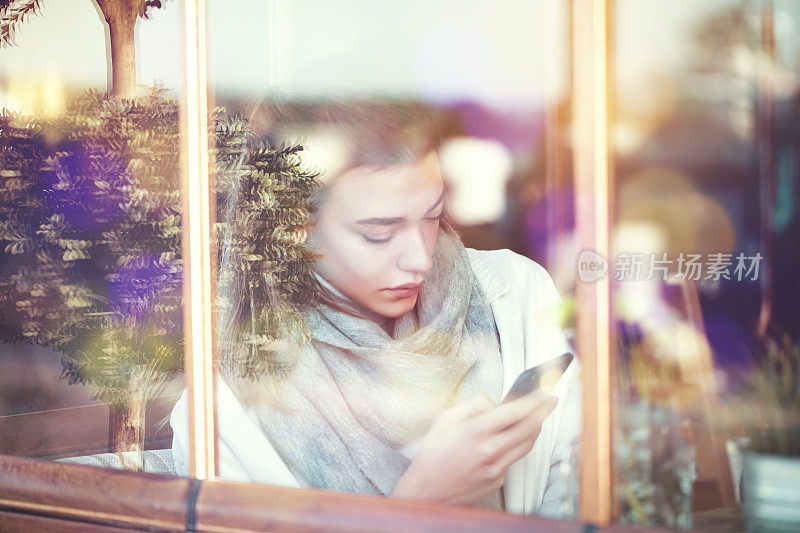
(764, 413)
(90, 252)
(90, 248)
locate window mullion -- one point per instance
(197, 244)
(591, 37)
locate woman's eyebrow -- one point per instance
(388, 221)
(376, 221)
(441, 197)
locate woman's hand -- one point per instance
(468, 450)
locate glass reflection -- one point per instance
(377, 161)
(90, 236)
(705, 256)
(360, 341)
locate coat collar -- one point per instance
(489, 271)
(494, 273)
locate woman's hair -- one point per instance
(338, 135)
(296, 150)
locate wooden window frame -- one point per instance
(196, 225)
(591, 34)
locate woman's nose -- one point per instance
(417, 255)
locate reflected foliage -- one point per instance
(90, 236)
(14, 13)
(265, 281)
(90, 230)
(766, 409)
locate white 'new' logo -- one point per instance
(591, 266)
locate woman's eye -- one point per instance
(377, 240)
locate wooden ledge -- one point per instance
(93, 494)
(40, 495)
(227, 506)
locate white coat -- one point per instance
(518, 290)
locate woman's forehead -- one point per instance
(396, 190)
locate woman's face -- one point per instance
(376, 230)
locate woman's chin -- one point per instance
(398, 307)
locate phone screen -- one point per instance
(544, 376)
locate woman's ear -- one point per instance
(268, 111)
(261, 119)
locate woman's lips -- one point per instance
(405, 291)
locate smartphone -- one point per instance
(542, 376)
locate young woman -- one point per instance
(415, 340)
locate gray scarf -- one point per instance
(359, 394)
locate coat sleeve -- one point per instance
(230, 466)
(561, 491)
(544, 339)
(244, 452)
(180, 436)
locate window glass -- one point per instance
(705, 261)
(90, 235)
(386, 250)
